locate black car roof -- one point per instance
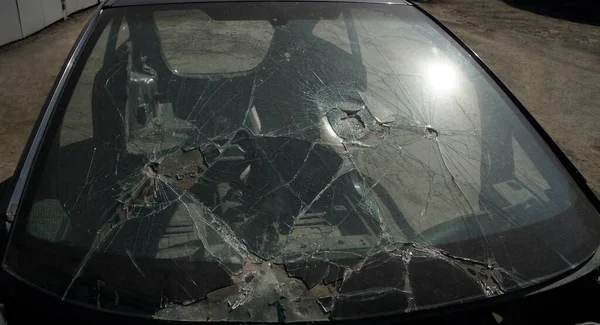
(123, 3)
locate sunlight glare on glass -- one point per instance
(441, 76)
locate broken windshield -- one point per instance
(281, 162)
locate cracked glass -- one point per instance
(284, 162)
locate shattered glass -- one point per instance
(361, 166)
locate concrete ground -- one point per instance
(552, 65)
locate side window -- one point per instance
(49, 218)
(334, 32)
(77, 124)
(123, 35)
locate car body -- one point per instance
(286, 162)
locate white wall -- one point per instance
(52, 10)
(10, 27)
(76, 5)
(21, 18)
(31, 15)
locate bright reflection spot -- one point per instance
(441, 76)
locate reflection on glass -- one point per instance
(441, 76)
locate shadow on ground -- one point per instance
(579, 11)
